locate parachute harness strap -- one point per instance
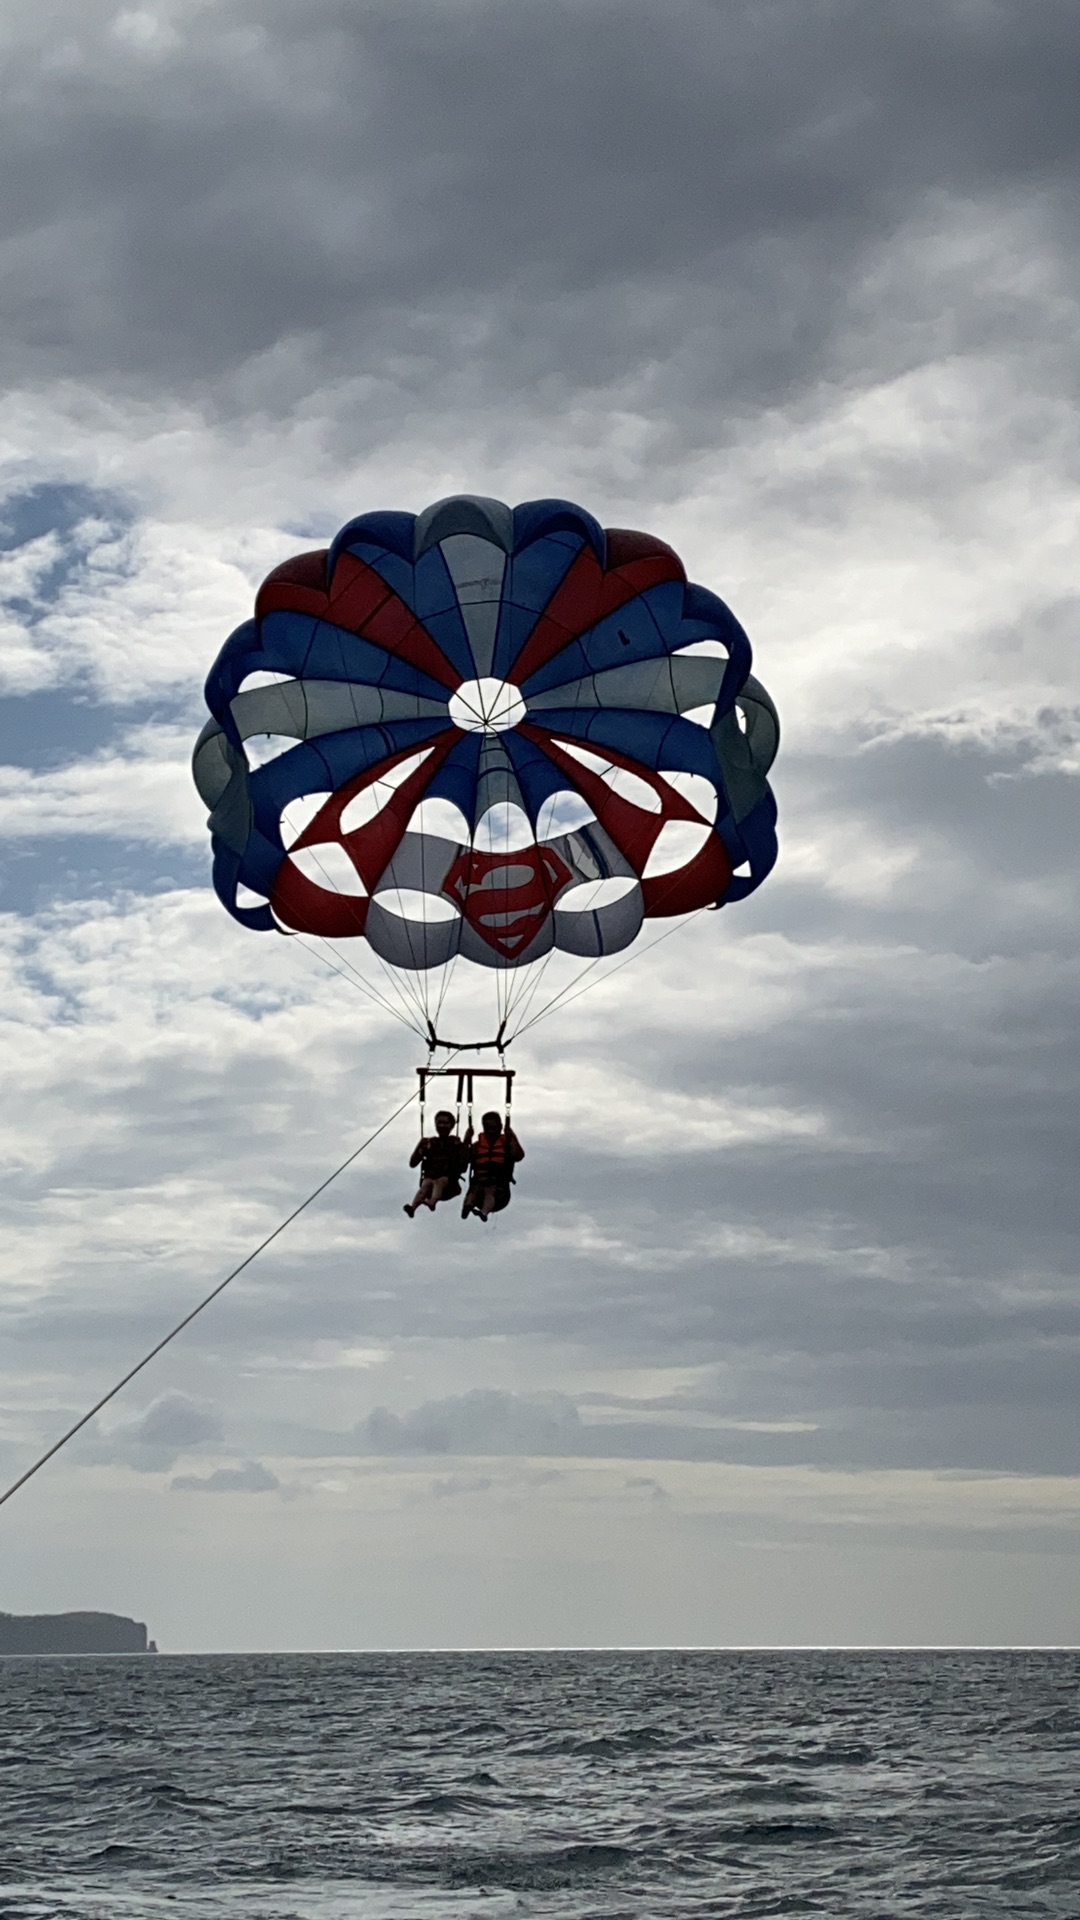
(466, 1078)
(203, 1304)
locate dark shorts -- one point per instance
(453, 1184)
(500, 1188)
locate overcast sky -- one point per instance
(779, 1339)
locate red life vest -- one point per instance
(492, 1159)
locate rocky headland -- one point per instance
(72, 1633)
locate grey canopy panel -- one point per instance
(496, 782)
(221, 777)
(476, 568)
(605, 928)
(745, 757)
(673, 684)
(304, 709)
(464, 513)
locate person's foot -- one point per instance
(430, 1205)
(407, 1209)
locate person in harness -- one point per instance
(442, 1159)
(493, 1156)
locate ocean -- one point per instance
(576, 1786)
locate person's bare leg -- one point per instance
(487, 1204)
(419, 1199)
(436, 1192)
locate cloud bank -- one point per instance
(795, 288)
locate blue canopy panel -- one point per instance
(537, 776)
(532, 577)
(707, 617)
(308, 648)
(752, 842)
(226, 877)
(458, 777)
(333, 653)
(639, 630)
(647, 627)
(330, 762)
(656, 740)
(428, 589)
(561, 522)
(240, 656)
(392, 531)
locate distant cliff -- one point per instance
(72, 1633)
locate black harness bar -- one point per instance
(464, 1077)
(466, 1046)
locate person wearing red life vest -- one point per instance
(442, 1159)
(493, 1156)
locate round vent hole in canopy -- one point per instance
(486, 706)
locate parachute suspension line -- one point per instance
(556, 997)
(567, 994)
(531, 986)
(405, 1011)
(401, 1011)
(504, 850)
(353, 979)
(532, 976)
(417, 996)
(425, 986)
(448, 974)
(407, 998)
(203, 1304)
(418, 1012)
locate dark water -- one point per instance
(638, 1785)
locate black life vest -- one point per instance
(442, 1158)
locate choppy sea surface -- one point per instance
(439, 1786)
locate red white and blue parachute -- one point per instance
(489, 732)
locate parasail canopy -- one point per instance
(486, 732)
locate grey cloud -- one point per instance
(1032, 1536)
(484, 1421)
(457, 1485)
(645, 1483)
(470, 212)
(905, 1283)
(494, 1423)
(563, 194)
(153, 1441)
(252, 1477)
